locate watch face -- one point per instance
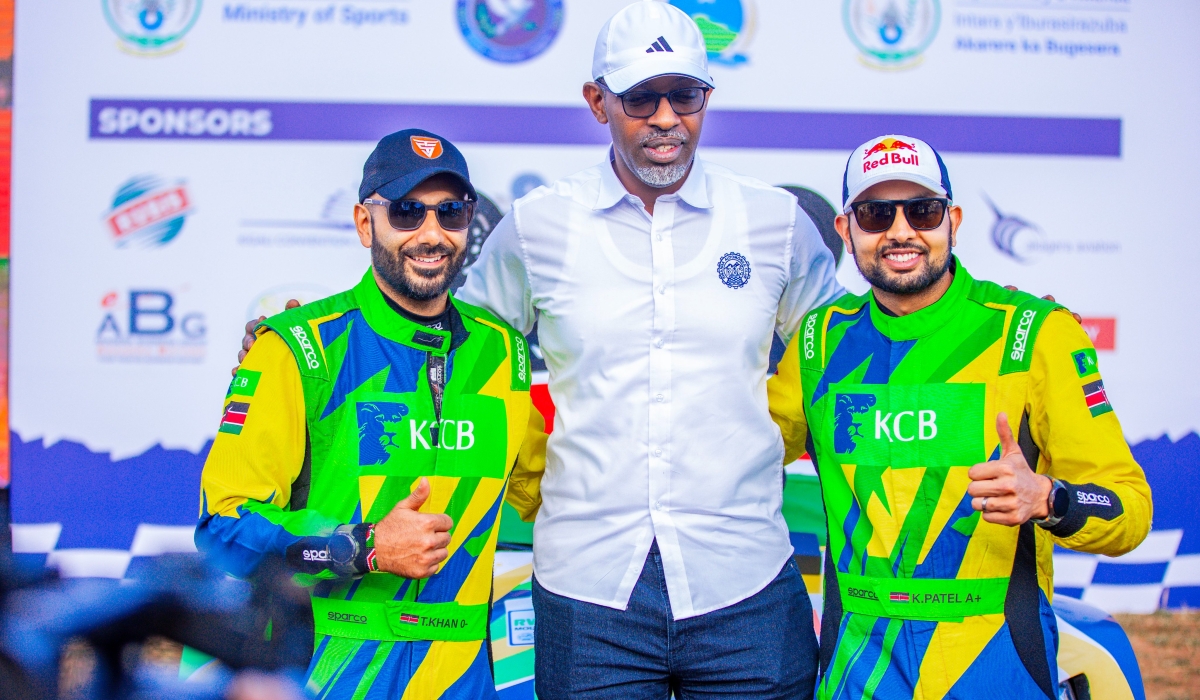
(342, 548)
(1062, 499)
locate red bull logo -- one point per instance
(890, 152)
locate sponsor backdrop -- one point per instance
(188, 164)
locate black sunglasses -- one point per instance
(641, 104)
(922, 213)
(409, 214)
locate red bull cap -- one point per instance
(893, 157)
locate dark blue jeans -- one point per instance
(763, 647)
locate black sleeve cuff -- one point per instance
(315, 555)
(1086, 501)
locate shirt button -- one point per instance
(658, 237)
(662, 290)
(658, 453)
(658, 398)
(658, 343)
(658, 505)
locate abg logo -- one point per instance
(926, 425)
(310, 355)
(1023, 326)
(810, 329)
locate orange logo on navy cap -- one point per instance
(426, 147)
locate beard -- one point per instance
(660, 175)
(417, 284)
(910, 283)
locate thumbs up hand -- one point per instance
(410, 543)
(1006, 490)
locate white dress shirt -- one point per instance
(656, 331)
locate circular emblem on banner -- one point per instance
(510, 31)
(734, 270)
(727, 26)
(891, 34)
(151, 27)
(148, 211)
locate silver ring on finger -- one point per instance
(983, 506)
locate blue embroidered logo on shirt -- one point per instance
(734, 270)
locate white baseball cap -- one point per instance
(645, 40)
(893, 157)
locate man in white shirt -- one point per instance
(661, 558)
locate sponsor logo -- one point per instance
(810, 332)
(727, 26)
(244, 383)
(315, 555)
(521, 624)
(846, 427)
(427, 148)
(1096, 398)
(380, 431)
(1022, 335)
(331, 225)
(439, 432)
(734, 270)
(893, 428)
(151, 27)
(1085, 362)
(1102, 331)
(860, 593)
(660, 44)
(510, 31)
(147, 211)
(1092, 499)
(234, 420)
(889, 34)
(345, 617)
(890, 152)
(149, 325)
(310, 354)
(170, 122)
(274, 300)
(1026, 242)
(522, 360)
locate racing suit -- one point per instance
(339, 409)
(923, 598)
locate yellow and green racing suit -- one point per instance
(923, 598)
(338, 411)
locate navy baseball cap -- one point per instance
(405, 159)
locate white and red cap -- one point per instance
(647, 39)
(893, 157)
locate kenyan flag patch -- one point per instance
(1096, 398)
(900, 598)
(234, 418)
(410, 619)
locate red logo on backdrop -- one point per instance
(148, 211)
(426, 147)
(1102, 331)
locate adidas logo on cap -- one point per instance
(660, 44)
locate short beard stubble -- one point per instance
(875, 273)
(662, 175)
(419, 285)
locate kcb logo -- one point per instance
(151, 27)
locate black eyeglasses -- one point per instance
(409, 214)
(922, 213)
(641, 104)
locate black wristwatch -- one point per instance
(344, 549)
(1057, 504)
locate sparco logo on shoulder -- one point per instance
(310, 355)
(810, 329)
(1022, 334)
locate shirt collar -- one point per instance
(694, 190)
